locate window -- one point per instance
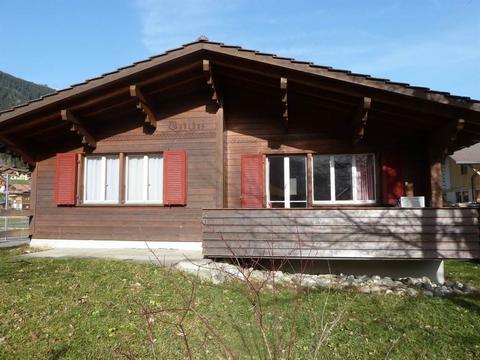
(463, 169)
(344, 178)
(462, 196)
(286, 181)
(458, 197)
(144, 179)
(101, 179)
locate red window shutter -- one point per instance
(175, 177)
(66, 179)
(393, 186)
(252, 181)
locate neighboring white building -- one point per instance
(459, 170)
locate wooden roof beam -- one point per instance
(445, 138)
(145, 105)
(454, 129)
(284, 95)
(360, 119)
(211, 83)
(78, 126)
(354, 89)
(19, 147)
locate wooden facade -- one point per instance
(193, 129)
(217, 104)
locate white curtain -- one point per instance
(155, 178)
(111, 178)
(135, 181)
(93, 179)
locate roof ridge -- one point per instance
(256, 52)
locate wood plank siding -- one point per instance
(342, 233)
(313, 128)
(189, 126)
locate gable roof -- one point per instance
(346, 76)
(469, 155)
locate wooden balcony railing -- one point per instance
(374, 233)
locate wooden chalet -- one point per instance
(254, 154)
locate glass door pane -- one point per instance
(135, 179)
(298, 181)
(111, 178)
(276, 181)
(94, 190)
(155, 178)
(343, 177)
(321, 178)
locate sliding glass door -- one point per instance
(343, 179)
(287, 181)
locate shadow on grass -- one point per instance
(470, 303)
(58, 352)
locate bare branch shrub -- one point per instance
(275, 324)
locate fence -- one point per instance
(15, 227)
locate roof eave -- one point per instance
(98, 83)
(122, 74)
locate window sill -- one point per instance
(344, 204)
(120, 205)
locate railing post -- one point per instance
(435, 160)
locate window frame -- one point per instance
(286, 181)
(145, 201)
(103, 157)
(354, 181)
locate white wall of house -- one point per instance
(456, 182)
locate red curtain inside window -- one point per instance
(365, 177)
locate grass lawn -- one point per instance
(90, 309)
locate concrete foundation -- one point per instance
(392, 268)
(395, 269)
(114, 244)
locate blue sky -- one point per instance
(434, 43)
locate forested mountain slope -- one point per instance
(15, 91)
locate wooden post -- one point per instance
(441, 142)
(121, 182)
(284, 95)
(220, 159)
(80, 173)
(309, 180)
(33, 197)
(435, 160)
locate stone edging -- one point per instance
(219, 272)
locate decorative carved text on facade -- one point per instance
(190, 125)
